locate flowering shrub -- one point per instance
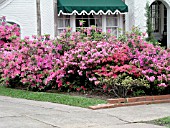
(122, 85)
(27, 62)
(30, 62)
(84, 60)
(7, 32)
(89, 61)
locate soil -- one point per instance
(87, 94)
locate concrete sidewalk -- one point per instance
(20, 113)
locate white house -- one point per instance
(53, 16)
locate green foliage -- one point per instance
(163, 122)
(149, 25)
(138, 93)
(123, 85)
(136, 31)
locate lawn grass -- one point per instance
(162, 122)
(51, 97)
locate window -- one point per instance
(63, 22)
(155, 14)
(90, 20)
(112, 24)
(102, 22)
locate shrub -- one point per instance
(7, 32)
(84, 60)
(29, 62)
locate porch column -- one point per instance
(121, 23)
(38, 18)
(103, 23)
(55, 19)
(73, 23)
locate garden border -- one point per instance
(143, 100)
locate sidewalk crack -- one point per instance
(42, 122)
(127, 122)
(10, 116)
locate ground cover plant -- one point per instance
(86, 60)
(51, 97)
(162, 122)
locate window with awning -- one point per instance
(100, 13)
(88, 7)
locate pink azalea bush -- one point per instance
(27, 62)
(94, 63)
(84, 60)
(7, 32)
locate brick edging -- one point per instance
(120, 102)
(138, 99)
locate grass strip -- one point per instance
(163, 122)
(51, 97)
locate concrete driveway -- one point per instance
(21, 113)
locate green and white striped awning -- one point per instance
(97, 7)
